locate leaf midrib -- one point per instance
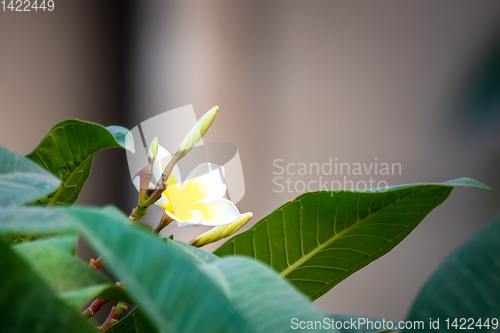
(64, 182)
(339, 235)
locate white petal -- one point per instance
(205, 182)
(186, 217)
(216, 212)
(162, 159)
(163, 202)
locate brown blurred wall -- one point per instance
(58, 65)
(301, 81)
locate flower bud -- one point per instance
(153, 150)
(197, 132)
(223, 231)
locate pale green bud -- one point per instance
(153, 150)
(197, 132)
(223, 231)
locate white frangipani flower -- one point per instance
(199, 199)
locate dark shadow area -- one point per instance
(477, 106)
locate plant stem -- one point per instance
(113, 314)
(145, 178)
(95, 306)
(142, 207)
(165, 220)
(96, 263)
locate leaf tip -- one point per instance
(467, 182)
(123, 137)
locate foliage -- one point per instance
(67, 152)
(313, 242)
(465, 287)
(21, 180)
(320, 238)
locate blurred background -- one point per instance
(409, 82)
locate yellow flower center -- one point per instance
(169, 206)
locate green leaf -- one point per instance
(77, 298)
(21, 180)
(466, 182)
(267, 302)
(62, 271)
(68, 275)
(67, 152)
(192, 253)
(65, 244)
(176, 290)
(172, 291)
(320, 238)
(264, 299)
(134, 322)
(466, 285)
(27, 304)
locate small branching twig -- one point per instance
(142, 207)
(94, 307)
(96, 263)
(116, 311)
